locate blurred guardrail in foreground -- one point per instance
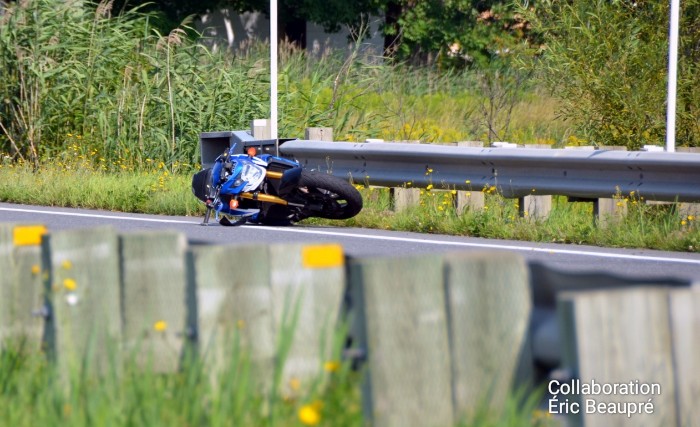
(439, 334)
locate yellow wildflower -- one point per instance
(331, 366)
(70, 284)
(160, 326)
(310, 415)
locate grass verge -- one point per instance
(158, 191)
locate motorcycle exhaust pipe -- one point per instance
(264, 198)
(268, 198)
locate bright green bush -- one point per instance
(608, 61)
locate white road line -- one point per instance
(389, 238)
(84, 215)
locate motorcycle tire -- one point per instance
(339, 198)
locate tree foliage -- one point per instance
(457, 32)
(608, 61)
(451, 32)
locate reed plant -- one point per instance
(115, 84)
(72, 74)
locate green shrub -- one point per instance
(608, 61)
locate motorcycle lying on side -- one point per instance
(271, 190)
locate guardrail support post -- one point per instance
(689, 210)
(7, 279)
(318, 134)
(307, 284)
(608, 211)
(471, 200)
(534, 207)
(229, 310)
(403, 328)
(404, 198)
(82, 287)
(442, 334)
(280, 315)
(489, 305)
(153, 298)
(260, 129)
(628, 337)
(21, 295)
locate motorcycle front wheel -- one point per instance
(329, 196)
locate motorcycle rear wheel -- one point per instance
(337, 198)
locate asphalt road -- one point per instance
(587, 261)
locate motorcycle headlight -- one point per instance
(252, 172)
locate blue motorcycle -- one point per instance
(271, 190)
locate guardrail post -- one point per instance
(21, 295)
(607, 211)
(685, 328)
(403, 198)
(319, 134)
(442, 335)
(619, 338)
(27, 298)
(261, 129)
(489, 306)
(84, 324)
(689, 211)
(471, 200)
(403, 327)
(229, 309)
(614, 209)
(534, 207)
(307, 284)
(7, 280)
(153, 298)
(281, 311)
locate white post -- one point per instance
(672, 75)
(273, 73)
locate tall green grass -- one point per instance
(218, 383)
(33, 392)
(119, 90)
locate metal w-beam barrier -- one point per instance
(515, 172)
